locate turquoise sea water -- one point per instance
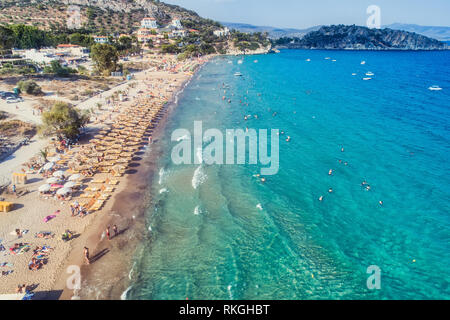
(217, 232)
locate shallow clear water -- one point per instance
(209, 239)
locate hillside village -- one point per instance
(149, 37)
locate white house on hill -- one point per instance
(222, 32)
(149, 23)
(176, 24)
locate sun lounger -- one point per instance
(91, 188)
(6, 206)
(97, 205)
(87, 195)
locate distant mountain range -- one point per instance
(435, 32)
(274, 32)
(439, 33)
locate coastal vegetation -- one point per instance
(56, 68)
(63, 120)
(29, 87)
(105, 57)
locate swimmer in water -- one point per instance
(380, 202)
(320, 198)
(288, 139)
(330, 172)
(342, 149)
(330, 190)
(367, 188)
(263, 179)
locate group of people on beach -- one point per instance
(87, 258)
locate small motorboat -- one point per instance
(434, 88)
(369, 74)
(238, 74)
(368, 78)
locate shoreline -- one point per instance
(30, 208)
(131, 214)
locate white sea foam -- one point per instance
(161, 175)
(229, 292)
(131, 271)
(123, 296)
(163, 190)
(199, 177)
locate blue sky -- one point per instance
(307, 13)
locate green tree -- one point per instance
(56, 68)
(30, 87)
(7, 38)
(169, 48)
(63, 120)
(105, 57)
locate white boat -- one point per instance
(367, 78)
(369, 74)
(363, 62)
(238, 74)
(334, 60)
(308, 60)
(434, 88)
(327, 58)
(240, 61)
(353, 74)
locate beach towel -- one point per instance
(6, 264)
(50, 217)
(46, 235)
(22, 249)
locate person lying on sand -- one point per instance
(44, 235)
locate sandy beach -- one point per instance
(124, 207)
